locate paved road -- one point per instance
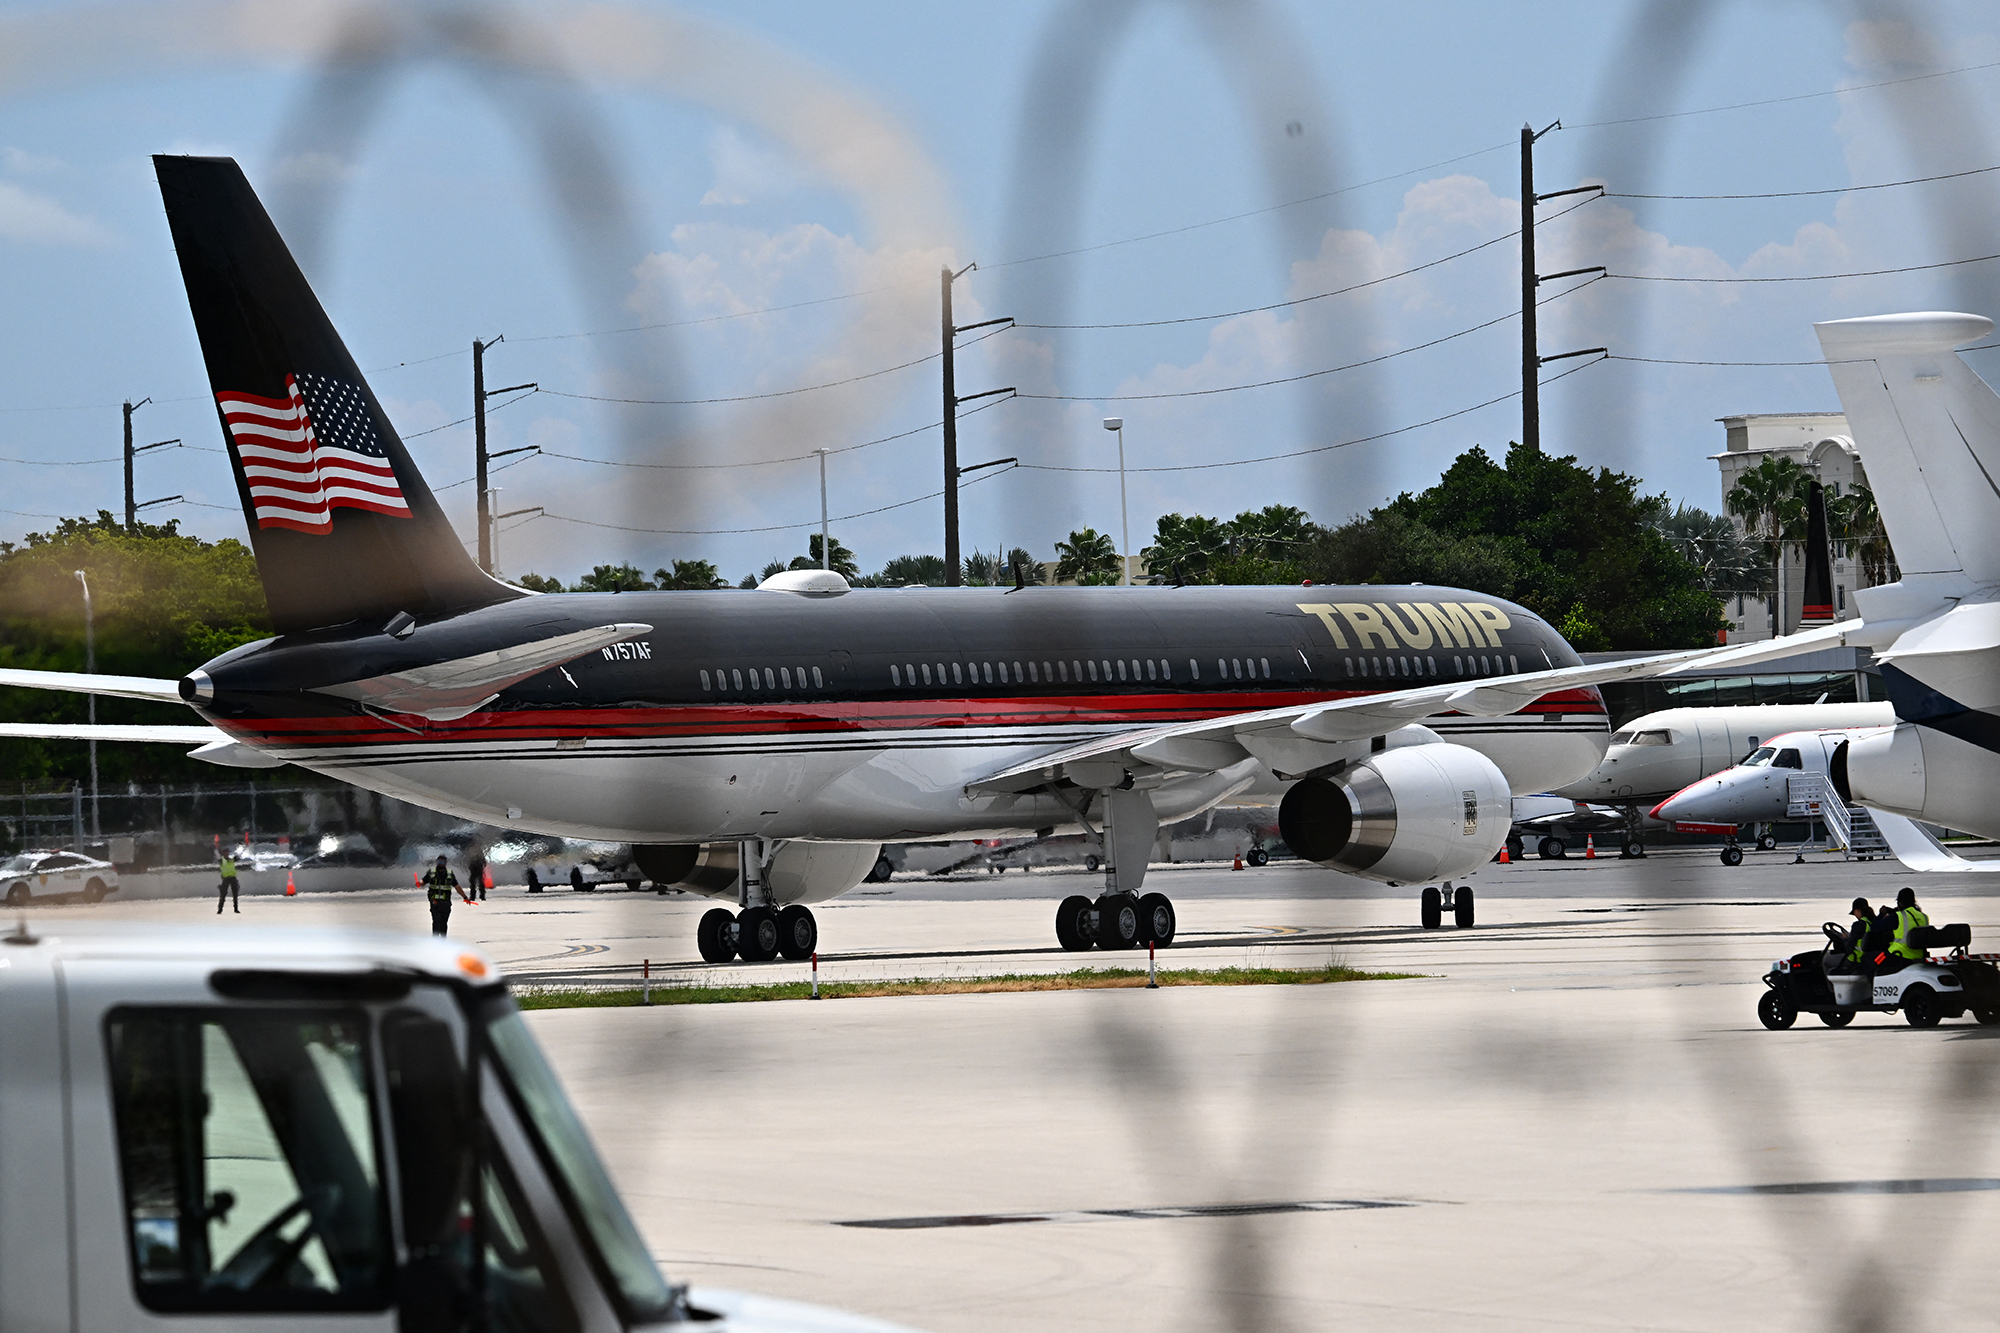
(1567, 1122)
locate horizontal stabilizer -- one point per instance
(1912, 844)
(79, 682)
(447, 691)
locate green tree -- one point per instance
(1771, 500)
(905, 570)
(688, 576)
(1856, 520)
(613, 578)
(164, 604)
(1274, 533)
(1711, 543)
(841, 564)
(1021, 559)
(1088, 557)
(539, 583)
(1189, 544)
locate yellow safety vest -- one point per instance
(229, 867)
(1907, 920)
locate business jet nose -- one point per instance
(1719, 799)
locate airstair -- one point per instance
(1849, 827)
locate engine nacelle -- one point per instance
(1921, 773)
(812, 872)
(709, 868)
(1403, 816)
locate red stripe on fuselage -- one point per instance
(673, 721)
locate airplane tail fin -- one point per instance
(1817, 603)
(1929, 433)
(343, 525)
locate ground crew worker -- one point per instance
(1854, 945)
(475, 873)
(229, 892)
(1909, 917)
(439, 885)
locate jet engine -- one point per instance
(1920, 773)
(798, 872)
(708, 868)
(1402, 816)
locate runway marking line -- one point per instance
(1142, 1214)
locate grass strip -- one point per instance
(1082, 979)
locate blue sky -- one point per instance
(830, 158)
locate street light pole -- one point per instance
(825, 542)
(1117, 424)
(90, 666)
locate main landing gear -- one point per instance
(1115, 921)
(757, 934)
(1456, 901)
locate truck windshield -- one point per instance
(574, 1162)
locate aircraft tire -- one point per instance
(1635, 849)
(879, 873)
(798, 933)
(1431, 912)
(1156, 920)
(1461, 908)
(1767, 842)
(1073, 929)
(1551, 849)
(1257, 856)
(1092, 864)
(715, 937)
(1732, 855)
(1117, 922)
(757, 934)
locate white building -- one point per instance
(1819, 442)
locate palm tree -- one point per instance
(1275, 532)
(1771, 500)
(1711, 543)
(690, 575)
(1187, 545)
(1087, 557)
(1855, 519)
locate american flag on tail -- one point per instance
(305, 455)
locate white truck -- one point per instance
(234, 1129)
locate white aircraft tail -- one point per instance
(1929, 432)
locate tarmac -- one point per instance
(1572, 1118)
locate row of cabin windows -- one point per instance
(732, 680)
(1427, 666)
(1101, 671)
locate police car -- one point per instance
(1936, 988)
(56, 877)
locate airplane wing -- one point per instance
(79, 682)
(112, 731)
(447, 691)
(1216, 743)
(1912, 844)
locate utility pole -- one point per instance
(132, 507)
(480, 457)
(952, 471)
(1531, 359)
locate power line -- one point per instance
(1319, 449)
(1811, 277)
(1795, 97)
(1671, 361)
(417, 435)
(1801, 194)
(769, 462)
(780, 527)
(1317, 296)
(1307, 375)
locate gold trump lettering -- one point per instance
(1465, 631)
(1493, 618)
(1325, 614)
(1448, 630)
(1361, 618)
(1418, 638)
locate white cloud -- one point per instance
(745, 171)
(23, 163)
(39, 220)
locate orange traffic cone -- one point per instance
(1589, 847)
(1504, 858)
(1239, 862)
(291, 889)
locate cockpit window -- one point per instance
(1621, 738)
(1652, 738)
(1787, 759)
(1759, 757)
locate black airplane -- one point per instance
(759, 746)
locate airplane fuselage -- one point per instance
(864, 715)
